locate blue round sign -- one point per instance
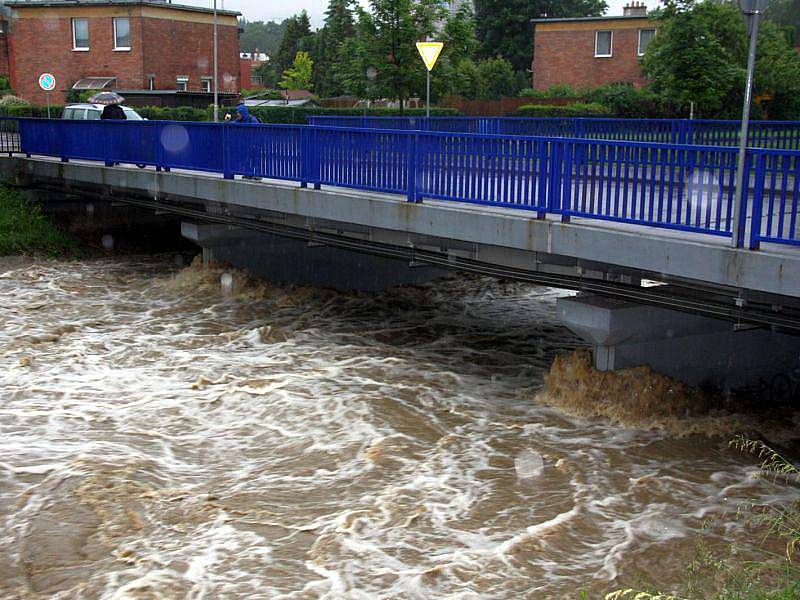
(47, 82)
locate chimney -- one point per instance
(634, 9)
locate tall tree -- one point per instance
(786, 13)
(398, 25)
(297, 37)
(339, 26)
(700, 56)
(504, 26)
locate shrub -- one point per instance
(554, 91)
(576, 109)
(625, 100)
(24, 229)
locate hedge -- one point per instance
(271, 114)
(570, 110)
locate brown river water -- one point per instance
(160, 438)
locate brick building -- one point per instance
(249, 63)
(588, 52)
(116, 44)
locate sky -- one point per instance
(259, 10)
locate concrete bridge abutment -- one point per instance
(701, 351)
(295, 261)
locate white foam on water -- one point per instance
(278, 442)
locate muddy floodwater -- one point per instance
(161, 438)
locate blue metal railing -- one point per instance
(675, 186)
(778, 135)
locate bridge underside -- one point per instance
(347, 239)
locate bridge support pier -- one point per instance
(294, 261)
(702, 351)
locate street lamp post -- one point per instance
(216, 68)
(752, 10)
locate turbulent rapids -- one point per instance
(163, 437)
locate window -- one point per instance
(151, 82)
(122, 33)
(182, 84)
(645, 37)
(602, 43)
(80, 34)
(205, 85)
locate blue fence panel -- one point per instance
(776, 197)
(195, 146)
(677, 187)
(485, 170)
(782, 135)
(275, 152)
(364, 159)
(131, 142)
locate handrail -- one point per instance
(674, 186)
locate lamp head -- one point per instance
(753, 7)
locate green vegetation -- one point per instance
(777, 578)
(700, 56)
(298, 76)
(575, 109)
(25, 230)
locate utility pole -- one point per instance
(216, 68)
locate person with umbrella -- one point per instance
(112, 102)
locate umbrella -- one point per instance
(107, 98)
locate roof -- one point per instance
(602, 18)
(85, 3)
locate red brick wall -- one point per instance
(180, 48)
(164, 47)
(566, 57)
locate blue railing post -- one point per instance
(412, 145)
(314, 158)
(305, 152)
(227, 171)
(565, 193)
(757, 205)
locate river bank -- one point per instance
(25, 230)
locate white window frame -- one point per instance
(182, 81)
(610, 43)
(639, 40)
(121, 48)
(205, 81)
(151, 82)
(75, 47)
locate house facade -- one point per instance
(589, 52)
(116, 44)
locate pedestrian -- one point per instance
(243, 116)
(113, 112)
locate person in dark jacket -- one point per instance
(113, 111)
(243, 115)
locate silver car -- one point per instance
(92, 112)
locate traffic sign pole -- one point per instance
(428, 99)
(47, 81)
(429, 51)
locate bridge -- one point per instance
(642, 225)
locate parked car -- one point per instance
(92, 112)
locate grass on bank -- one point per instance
(25, 230)
(776, 579)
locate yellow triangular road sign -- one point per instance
(429, 51)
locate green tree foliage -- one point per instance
(297, 37)
(258, 34)
(786, 14)
(298, 76)
(495, 79)
(700, 55)
(504, 26)
(339, 27)
(398, 25)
